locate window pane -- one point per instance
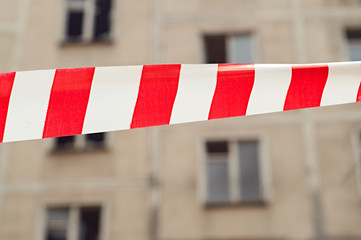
(95, 140)
(215, 47)
(56, 234)
(354, 49)
(76, 4)
(217, 147)
(249, 171)
(102, 19)
(75, 24)
(353, 34)
(65, 142)
(241, 49)
(58, 214)
(217, 187)
(89, 223)
(354, 44)
(57, 223)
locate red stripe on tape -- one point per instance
(306, 87)
(358, 98)
(6, 85)
(68, 102)
(233, 89)
(157, 92)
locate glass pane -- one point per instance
(249, 171)
(56, 234)
(58, 214)
(215, 47)
(217, 147)
(354, 49)
(65, 142)
(57, 222)
(75, 24)
(96, 140)
(353, 34)
(217, 182)
(89, 223)
(76, 4)
(102, 19)
(241, 50)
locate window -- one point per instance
(354, 44)
(229, 48)
(234, 172)
(82, 142)
(87, 20)
(73, 223)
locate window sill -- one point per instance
(83, 150)
(103, 42)
(258, 203)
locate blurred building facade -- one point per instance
(292, 175)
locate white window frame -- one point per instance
(73, 224)
(233, 169)
(88, 7)
(88, 22)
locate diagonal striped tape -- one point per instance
(62, 102)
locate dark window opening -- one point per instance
(75, 25)
(92, 141)
(215, 46)
(63, 143)
(102, 20)
(95, 140)
(353, 34)
(56, 234)
(89, 223)
(217, 147)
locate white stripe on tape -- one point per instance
(112, 98)
(28, 105)
(196, 87)
(270, 88)
(342, 83)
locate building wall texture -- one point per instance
(151, 182)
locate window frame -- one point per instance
(87, 37)
(234, 175)
(348, 41)
(229, 44)
(74, 214)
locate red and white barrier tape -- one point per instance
(61, 102)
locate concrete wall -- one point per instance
(311, 154)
